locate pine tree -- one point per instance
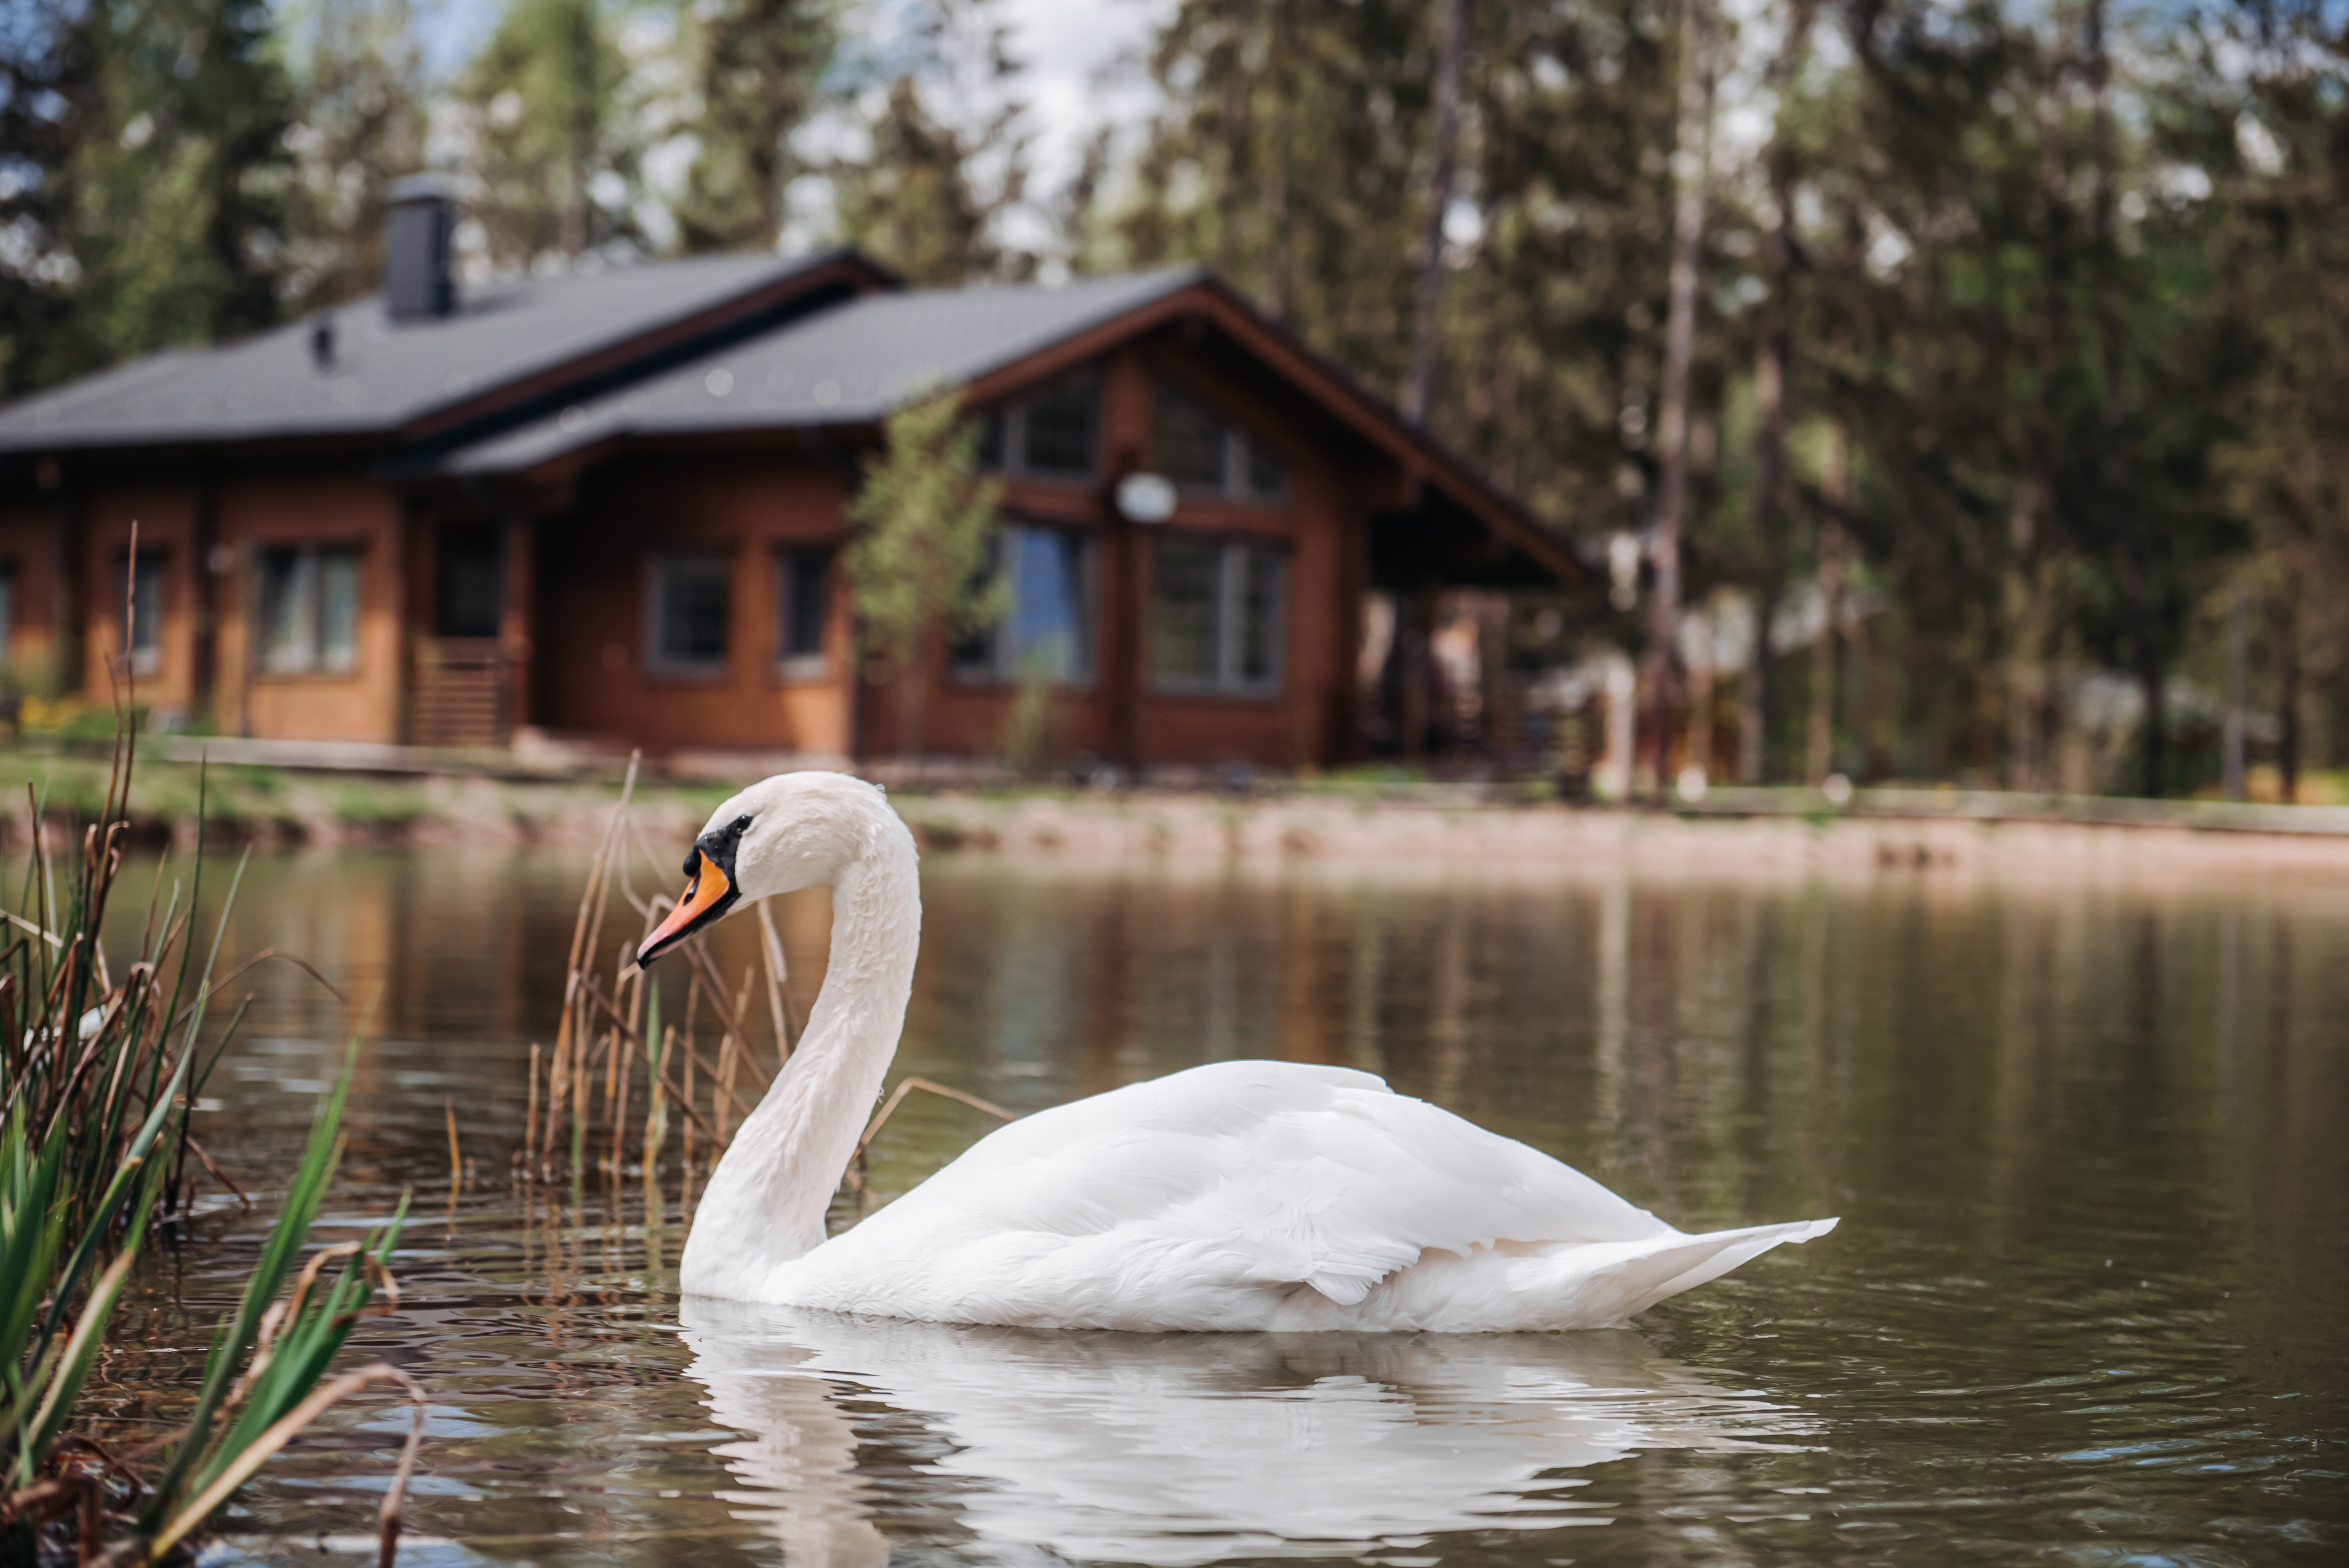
(757, 66)
(360, 102)
(555, 151)
(150, 210)
(947, 154)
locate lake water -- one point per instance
(2089, 1303)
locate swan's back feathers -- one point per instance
(1205, 1194)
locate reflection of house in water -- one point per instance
(610, 505)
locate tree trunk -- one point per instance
(1427, 329)
(1773, 373)
(2238, 693)
(2118, 461)
(1758, 692)
(580, 132)
(2287, 646)
(1692, 145)
(1834, 490)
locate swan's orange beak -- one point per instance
(707, 897)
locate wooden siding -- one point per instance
(593, 671)
(326, 511)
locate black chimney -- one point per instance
(420, 282)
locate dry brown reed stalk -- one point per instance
(624, 1048)
(455, 1156)
(685, 1130)
(906, 1086)
(594, 993)
(566, 1072)
(530, 1127)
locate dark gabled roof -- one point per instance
(399, 381)
(854, 364)
(860, 362)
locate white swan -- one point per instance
(1240, 1196)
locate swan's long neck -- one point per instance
(766, 1200)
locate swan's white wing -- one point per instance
(1230, 1178)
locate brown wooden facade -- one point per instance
(446, 610)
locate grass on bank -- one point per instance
(99, 1069)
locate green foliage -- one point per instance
(925, 196)
(557, 152)
(758, 66)
(921, 564)
(150, 207)
(360, 98)
(97, 1076)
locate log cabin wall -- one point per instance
(282, 542)
(1126, 711)
(32, 541)
(597, 670)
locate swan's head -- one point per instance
(783, 834)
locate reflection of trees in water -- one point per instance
(1190, 1448)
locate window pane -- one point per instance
(1182, 609)
(1049, 615)
(1061, 429)
(7, 611)
(1190, 440)
(690, 612)
(990, 440)
(806, 600)
(1267, 476)
(289, 610)
(143, 610)
(1257, 659)
(338, 609)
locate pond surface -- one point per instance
(2089, 1303)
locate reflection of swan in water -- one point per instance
(1185, 1449)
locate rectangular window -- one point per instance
(1199, 450)
(308, 611)
(142, 614)
(1267, 475)
(1051, 433)
(1061, 430)
(1049, 628)
(802, 607)
(1215, 615)
(1190, 440)
(690, 604)
(7, 611)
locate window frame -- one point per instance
(142, 634)
(790, 665)
(1007, 432)
(1233, 552)
(1237, 448)
(317, 662)
(1002, 666)
(657, 664)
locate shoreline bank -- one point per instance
(1773, 830)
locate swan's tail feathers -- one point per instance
(1668, 1265)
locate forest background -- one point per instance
(1991, 361)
